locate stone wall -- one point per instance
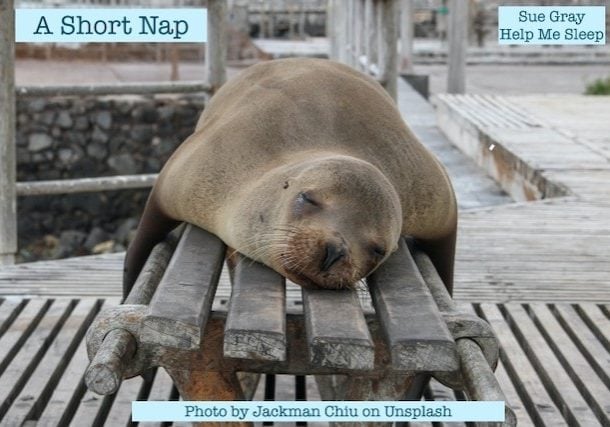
(60, 138)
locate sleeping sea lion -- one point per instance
(307, 166)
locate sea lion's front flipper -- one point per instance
(154, 226)
(442, 254)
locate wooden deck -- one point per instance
(553, 369)
(537, 269)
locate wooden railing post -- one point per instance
(216, 46)
(8, 200)
(406, 35)
(458, 39)
(388, 72)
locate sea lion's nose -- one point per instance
(334, 253)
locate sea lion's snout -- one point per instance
(334, 252)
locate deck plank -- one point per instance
(35, 393)
(561, 388)
(66, 396)
(30, 352)
(575, 364)
(529, 386)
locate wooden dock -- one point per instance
(537, 269)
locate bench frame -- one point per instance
(387, 354)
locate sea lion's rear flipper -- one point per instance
(154, 226)
(442, 254)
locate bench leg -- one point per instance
(343, 387)
(208, 385)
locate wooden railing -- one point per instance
(9, 189)
(364, 34)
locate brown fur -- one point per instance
(286, 126)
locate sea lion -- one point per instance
(307, 166)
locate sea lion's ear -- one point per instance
(286, 184)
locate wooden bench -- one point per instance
(388, 353)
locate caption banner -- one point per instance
(552, 25)
(110, 25)
(317, 411)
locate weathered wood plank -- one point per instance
(8, 162)
(19, 330)
(597, 322)
(582, 374)
(256, 321)
(120, 411)
(9, 309)
(68, 392)
(417, 336)
(530, 388)
(47, 373)
(180, 308)
(92, 407)
(161, 390)
(561, 388)
(587, 342)
(31, 351)
(512, 397)
(337, 333)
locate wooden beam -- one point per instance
(8, 173)
(417, 335)
(337, 332)
(407, 29)
(458, 43)
(256, 322)
(216, 46)
(388, 72)
(85, 185)
(153, 88)
(181, 306)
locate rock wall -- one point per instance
(60, 138)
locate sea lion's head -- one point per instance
(322, 223)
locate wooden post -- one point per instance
(175, 59)
(216, 47)
(458, 32)
(341, 23)
(357, 46)
(8, 200)
(406, 35)
(331, 27)
(369, 33)
(388, 64)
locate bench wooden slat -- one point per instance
(417, 336)
(33, 396)
(180, 308)
(337, 332)
(529, 386)
(582, 374)
(32, 350)
(549, 369)
(256, 321)
(67, 394)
